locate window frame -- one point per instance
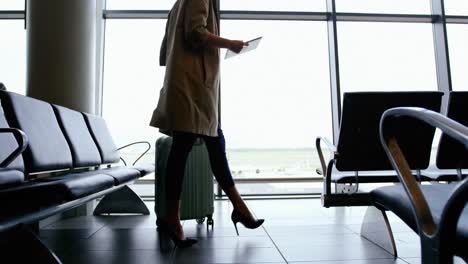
(437, 18)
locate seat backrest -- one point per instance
(84, 151)
(8, 144)
(359, 147)
(48, 149)
(103, 139)
(451, 154)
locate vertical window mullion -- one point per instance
(444, 79)
(334, 69)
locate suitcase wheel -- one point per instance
(210, 222)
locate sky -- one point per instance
(277, 96)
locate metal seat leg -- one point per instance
(376, 228)
(21, 245)
(122, 201)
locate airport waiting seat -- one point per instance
(47, 151)
(358, 156)
(84, 149)
(109, 151)
(11, 163)
(50, 162)
(451, 155)
(437, 212)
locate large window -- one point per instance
(274, 5)
(132, 80)
(139, 4)
(384, 6)
(12, 5)
(458, 50)
(276, 99)
(456, 7)
(13, 55)
(386, 57)
(13, 49)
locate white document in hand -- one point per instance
(253, 44)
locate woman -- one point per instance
(188, 106)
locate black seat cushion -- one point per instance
(9, 177)
(144, 169)
(82, 184)
(8, 144)
(121, 174)
(57, 190)
(395, 199)
(84, 151)
(48, 149)
(103, 139)
(359, 147)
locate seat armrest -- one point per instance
(22, 140)
(326, 170)
(448, 126)
(330, 147)
(133, 144)
(452, 212)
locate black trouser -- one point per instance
(181, 145)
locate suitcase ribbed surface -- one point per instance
(197, 191)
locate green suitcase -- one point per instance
(197, 191)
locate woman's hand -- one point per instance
(237, 45)
(219, 42)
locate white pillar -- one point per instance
(64, 38)
(61, 52)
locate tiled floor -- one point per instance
(295, 231)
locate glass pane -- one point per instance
(132, 79)
(12, 5)
(456, 7)
(384, 6)
(386, 57)
(276, 99)
(274, 5)
(140, 4)
(458, 52)
(13, 55)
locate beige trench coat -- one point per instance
(188, 100)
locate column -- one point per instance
(61, 52)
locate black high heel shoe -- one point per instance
(237, 217)
(163, 227)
